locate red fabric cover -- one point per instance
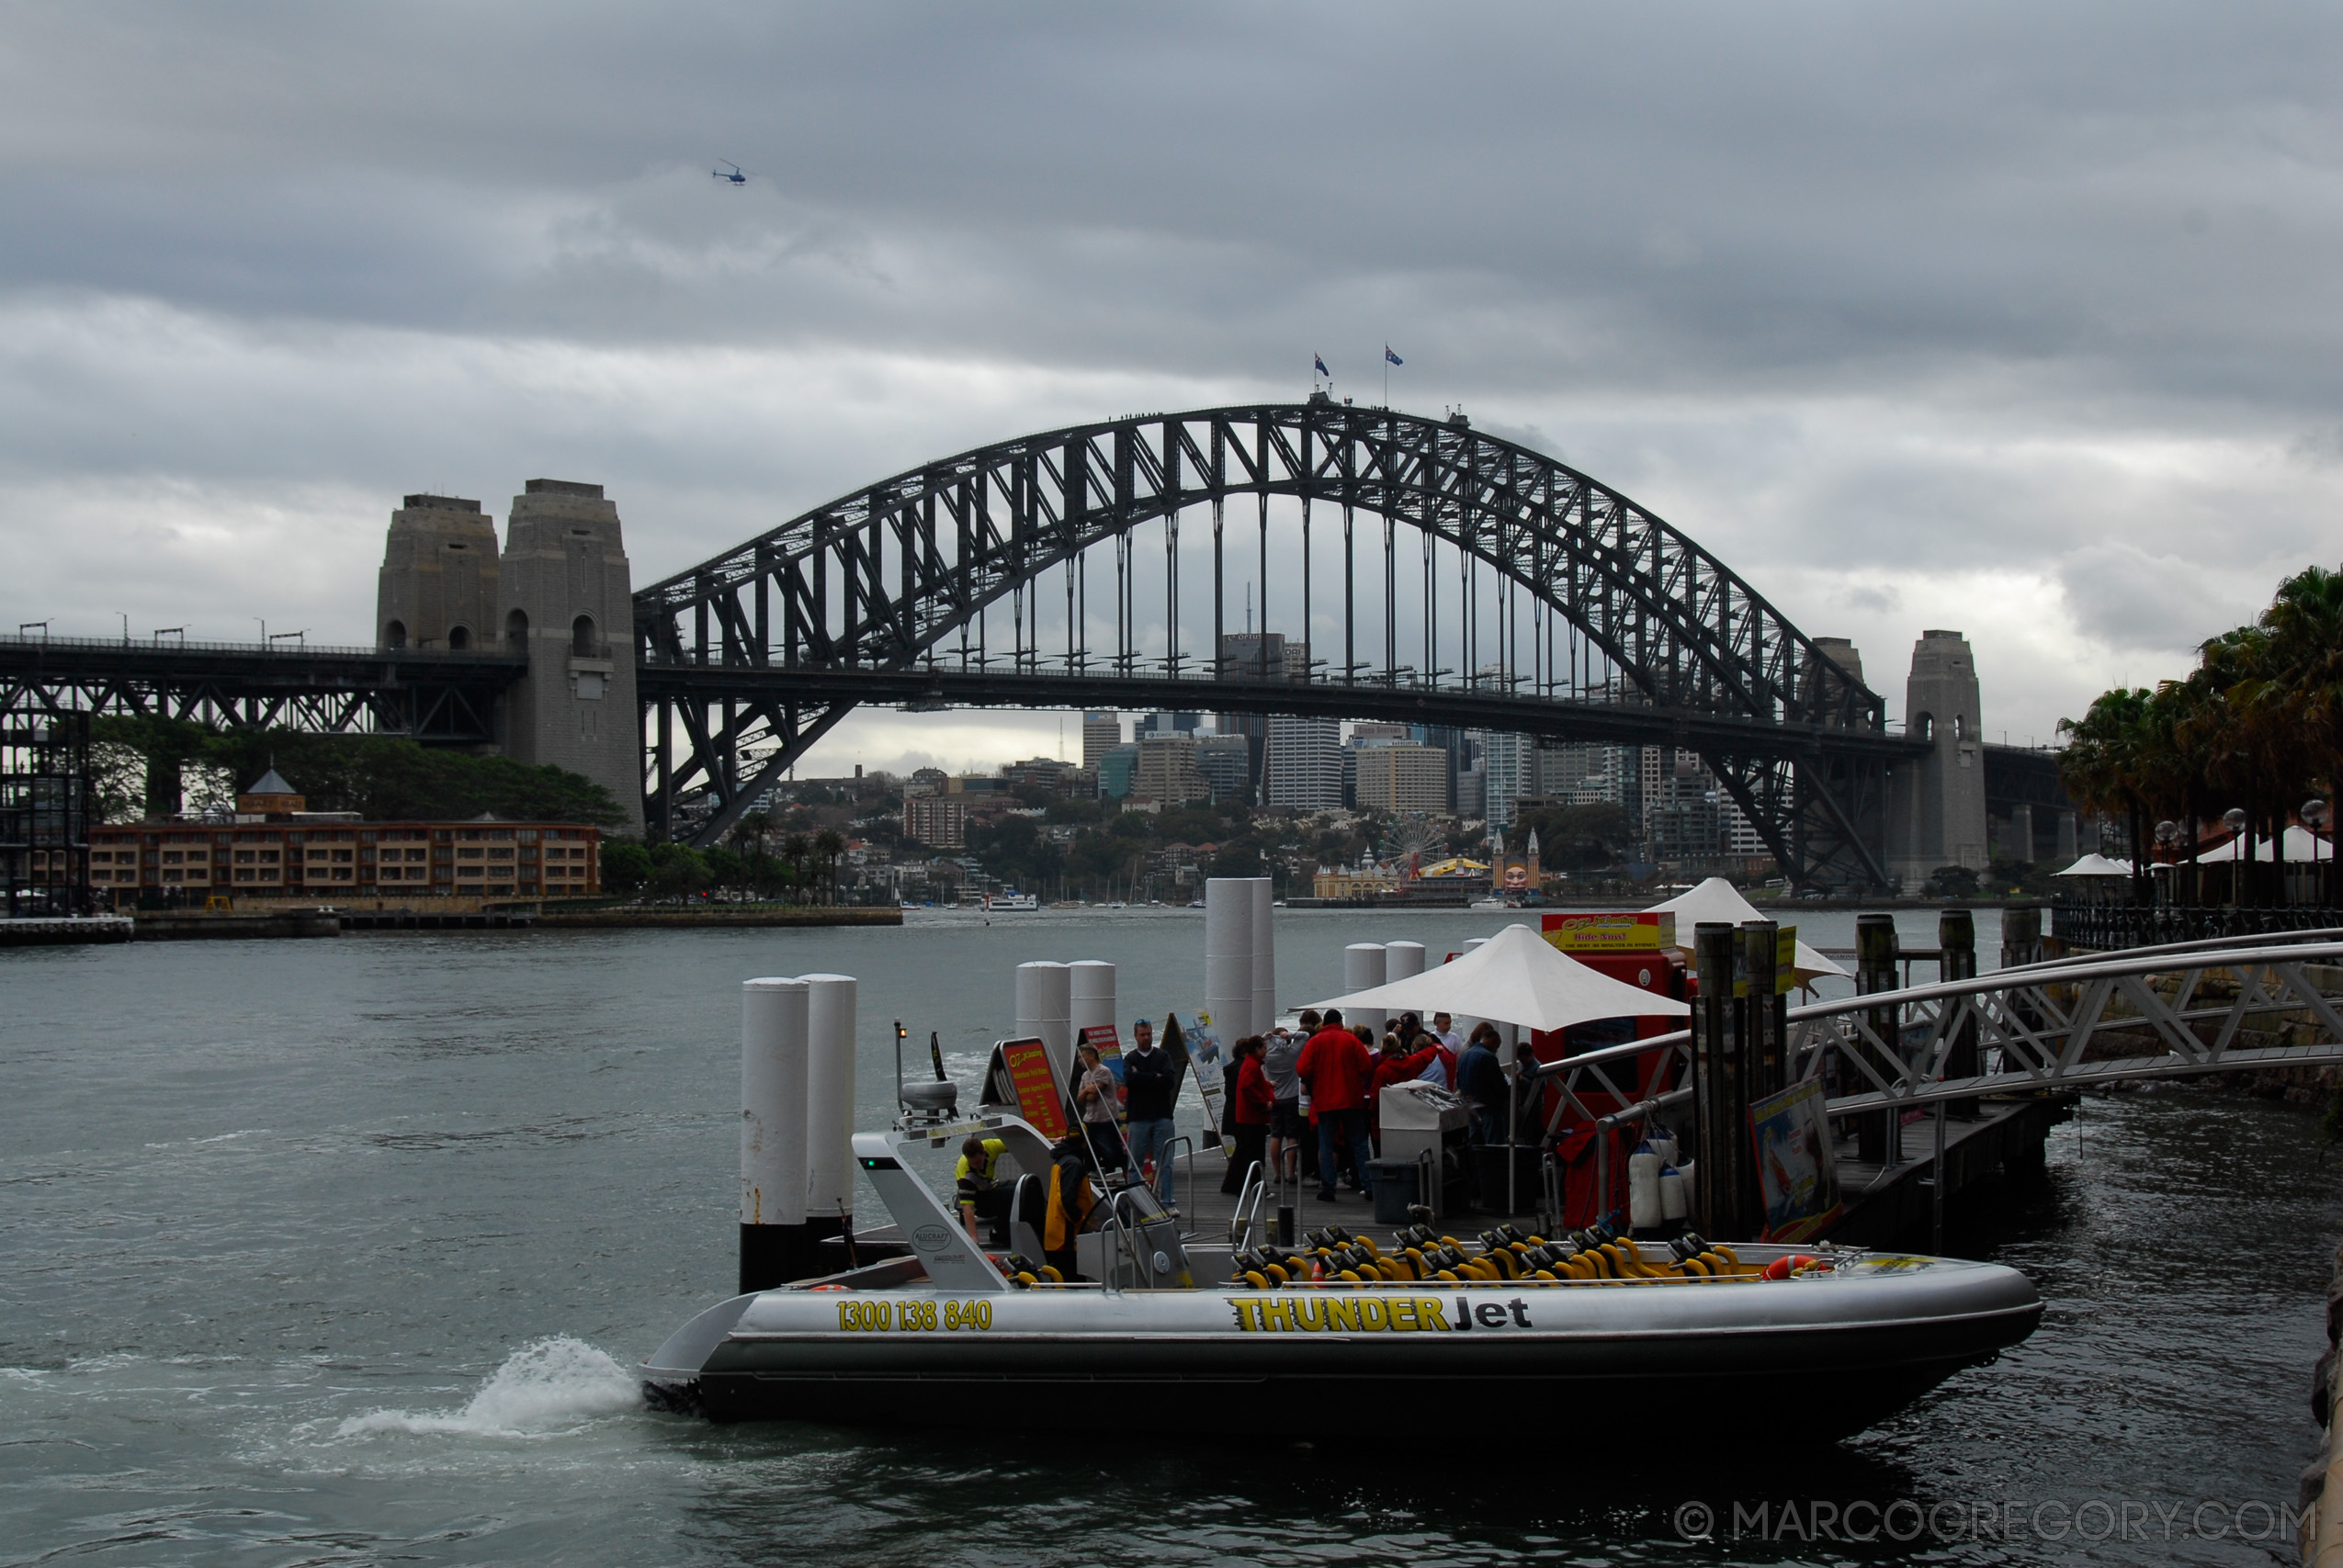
(1578, 1149)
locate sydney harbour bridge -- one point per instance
(1406, 567)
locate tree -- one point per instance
(795, 849)
(381, 777)
(626, 866)
(828, 846)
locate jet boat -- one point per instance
(1508, 1330)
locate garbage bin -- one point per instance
(1394, 1190)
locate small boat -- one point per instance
(1012, 902)
(1510, 1332)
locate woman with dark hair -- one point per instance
(1249, 1112)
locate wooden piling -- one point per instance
(1957, 937)
(1876, 1131)
(1725, 1177)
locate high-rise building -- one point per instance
(1400, 775)
(1304, 763)
(1257, 656)
(1510, 762)
(1163, 725)
(1102, 732)
(941, 822)
(1226, 764)
(1115, 769)
(1471, 792)
(1167, 771)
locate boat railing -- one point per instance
(1170, 1166)
(1121, 1230)
(1247, 1217)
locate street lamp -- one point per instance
(2234, 821)
(2315, 814)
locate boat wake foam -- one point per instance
(552, 1386)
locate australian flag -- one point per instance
(1391, 356)
(1319, 360)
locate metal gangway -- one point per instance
(2225, 1004)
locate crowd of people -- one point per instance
(1302, 1101)
(1311, 1098)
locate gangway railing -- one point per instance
(2207, 1006)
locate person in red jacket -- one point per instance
(1337, 1070)
(1250, 1115)
(1395, 1064)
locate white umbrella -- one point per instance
(1516, 977)
(2302, 846)
(1718, 900)
(2095, 865)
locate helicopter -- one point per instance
(735, 177)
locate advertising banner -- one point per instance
(1108, 1041)
(1786, 960)
(1202, 1042)
(1041, 1099)
(1792, 1136)
(1647, 930)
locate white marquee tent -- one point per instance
(1718, 900)
(1516, 977)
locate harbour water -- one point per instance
(340, 1252)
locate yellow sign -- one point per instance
(1647, 931)
(1786, 960)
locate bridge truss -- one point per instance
(445, 697)
(1491, 585)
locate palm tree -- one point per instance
(829, 846)
(794, 849)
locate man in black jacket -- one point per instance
(1150, 1080)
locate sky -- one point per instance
(2017, 320)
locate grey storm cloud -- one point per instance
(1955, 312)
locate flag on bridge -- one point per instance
(1391, 356)
(1319, 360)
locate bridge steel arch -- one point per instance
(747, 660)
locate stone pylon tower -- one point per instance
(1936, 804)
(567, 602)
(437, 588)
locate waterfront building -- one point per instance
(273, 848)
(1365, 880)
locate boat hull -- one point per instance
(1814, 1357)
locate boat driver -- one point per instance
(982, 1194)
